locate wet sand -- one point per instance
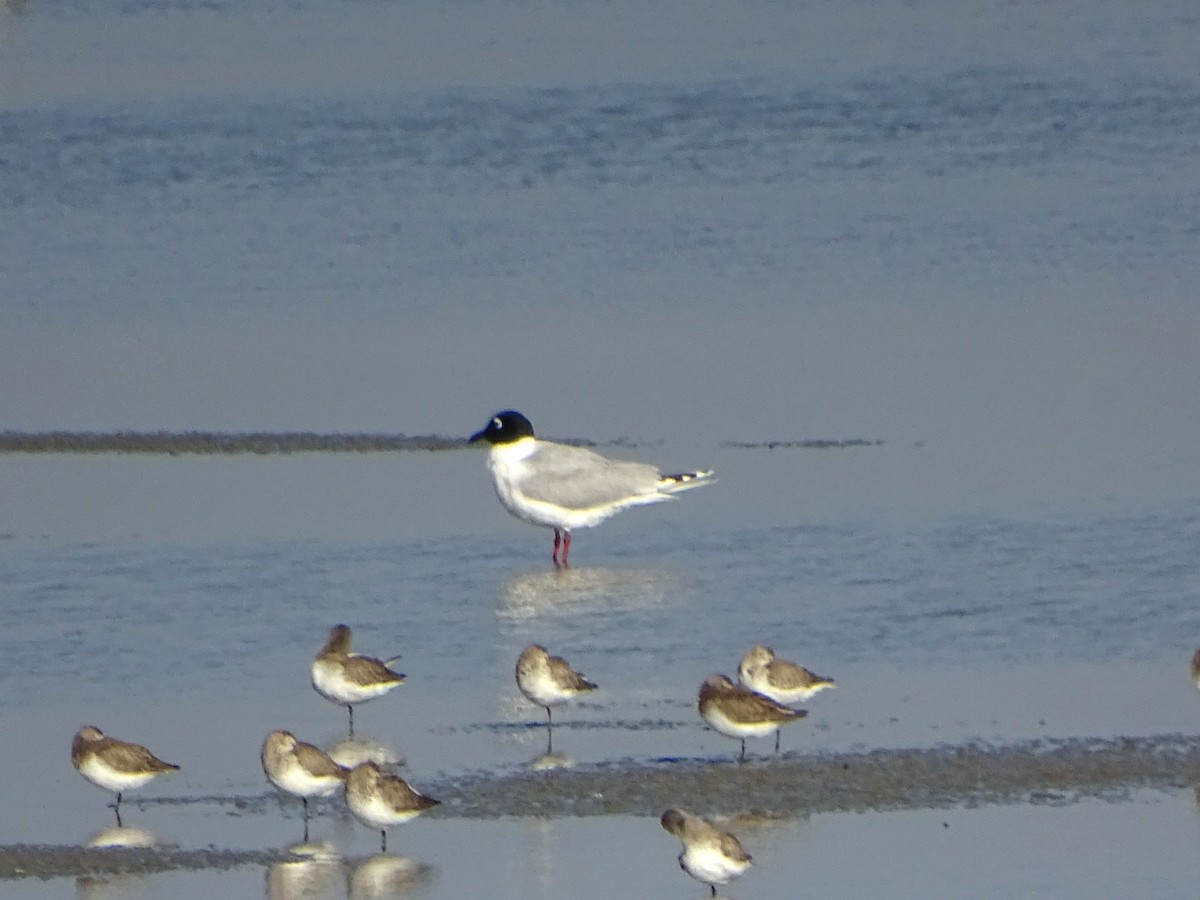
(1046, 771)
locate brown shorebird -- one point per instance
(709, 854)
(739, 712)
(347, 678)
(300, 769)
(783, 681)
(114, 765)
(548, 681)
(379, 799)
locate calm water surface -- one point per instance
(967, 232)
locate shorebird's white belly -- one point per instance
(298, 781)
(329, 678)
(98, 772)
(377, 813)
(708, 864)
(757, 680)
(542, 689)
(715, 717)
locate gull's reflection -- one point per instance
(123, 836)
(319, 874)
(385, 875)
(349, 752)
(535, 593)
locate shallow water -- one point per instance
(961, 234)
(942, 630)
(1144, 847)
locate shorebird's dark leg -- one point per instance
(350, 706)
(742, 757)
(383, 840)
(776, 740)
(304, 800)
(712, 890)
(117, 810)
(549, 731)
(306, 829)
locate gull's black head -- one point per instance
(504, 428)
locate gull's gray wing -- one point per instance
(578, 478)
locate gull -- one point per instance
(564, 487)
(709, 854)
(347, 678)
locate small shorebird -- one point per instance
(114, 765)
(347, 678)
(739, 712)
(379, 799)
(783, 681)
(709, 854)
(300, 769)
(563, 487)
(548, 681)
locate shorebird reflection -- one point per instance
(349, 752)
(113, 886)
(123, 836)
(321, 873)
(548, 761)
(385, 875)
